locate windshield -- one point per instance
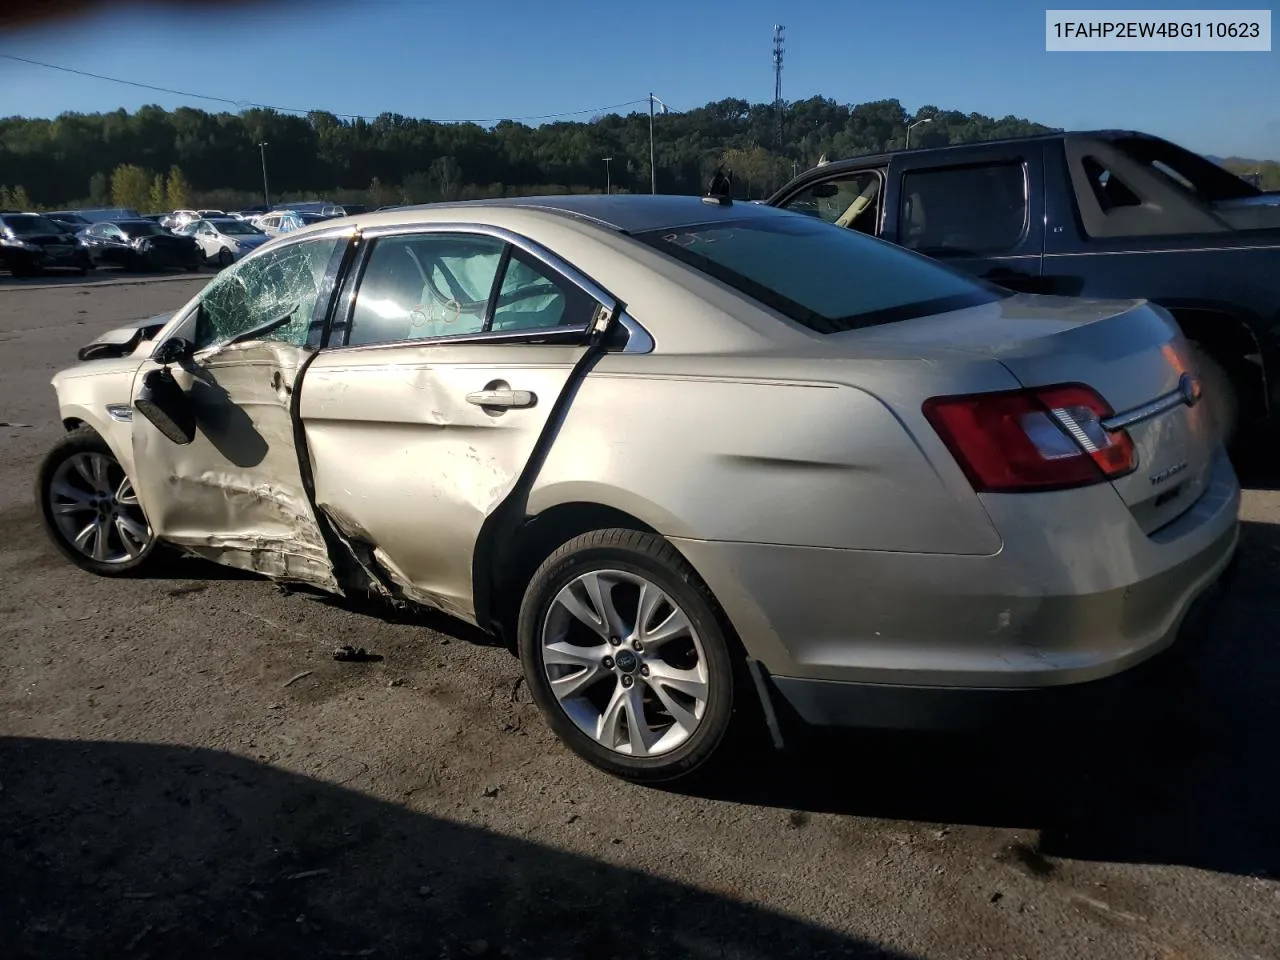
(825, 277)
(236, 228)
(142, 228)
(26, 225)
(312, 217)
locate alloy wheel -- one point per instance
(95, 509)
(625, 663)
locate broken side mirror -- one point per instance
(163, 401)
(173, 350)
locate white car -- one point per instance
(181, 218)
(224, 240)
(286, 221)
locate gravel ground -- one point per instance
(186, 771)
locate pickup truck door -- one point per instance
(980, 209)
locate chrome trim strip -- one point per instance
(468, 339)
(120, 412)
(530, 247)
(1132, 253)
(1129, 418)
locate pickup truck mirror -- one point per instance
(823, 190)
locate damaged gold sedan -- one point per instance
(679, 453)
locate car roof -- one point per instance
(623, 213)
(872, 159)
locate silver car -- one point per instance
(684, 456)
(223, 240)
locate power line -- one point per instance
(246, 104)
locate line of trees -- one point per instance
(159, 159)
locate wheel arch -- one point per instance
(117, 435)
(499, 584)
(1232, 342)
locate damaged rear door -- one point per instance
(443, 380)
(235, 494)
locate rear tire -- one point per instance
(677, 680)
(81, 488)
(1221, 395)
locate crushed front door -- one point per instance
(235, 494)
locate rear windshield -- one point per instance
(822, 276)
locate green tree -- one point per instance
(177, 191)
(18, 199)
(130, 186)
(6, 198)
(99, 189)
(156, 198)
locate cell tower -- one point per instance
(778, 49)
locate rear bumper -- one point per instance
(1078, 593)
(833, 703)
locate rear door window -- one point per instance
(971, 210)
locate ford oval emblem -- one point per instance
(1189, 387)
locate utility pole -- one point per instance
(266, 196)
(778, 50)
(608, 180)
(653, 169)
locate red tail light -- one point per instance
(1047, 438)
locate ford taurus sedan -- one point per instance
(685, 456)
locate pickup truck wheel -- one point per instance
(625, 656)
(1220, 393)
(90, 509)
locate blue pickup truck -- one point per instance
(1107, 214)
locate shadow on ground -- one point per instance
(1185, 773)
(121, 850)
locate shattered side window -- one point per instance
(260, 290)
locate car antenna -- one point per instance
(721, 188)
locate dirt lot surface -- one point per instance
(186, 772)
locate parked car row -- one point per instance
(80, 240)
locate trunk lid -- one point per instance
(1129, 351)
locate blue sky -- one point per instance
(484, 60)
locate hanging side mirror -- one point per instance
(173, 350)
(162, 401)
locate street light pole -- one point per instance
(608, 180)
(653, 170)
(266, 196)
(916, 124)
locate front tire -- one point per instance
(626, 657)
(90, 509)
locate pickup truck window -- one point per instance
(852, 201)
(1108, 189)
(978, 209)
(1205, 180)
